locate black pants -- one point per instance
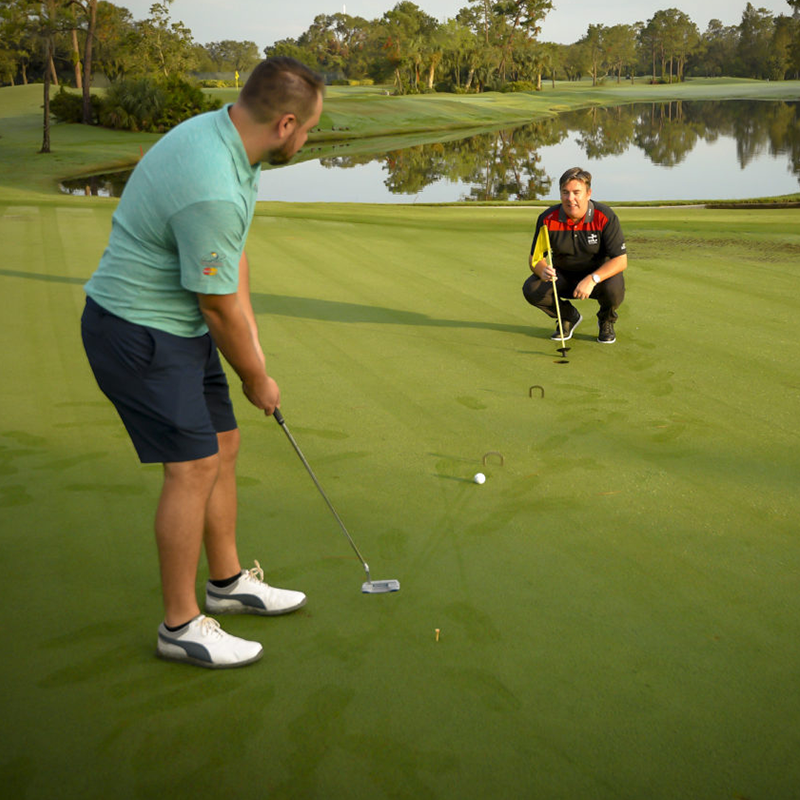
(609, 293)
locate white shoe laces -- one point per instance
(256, 573)
(210, 627)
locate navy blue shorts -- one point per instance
(170, 391)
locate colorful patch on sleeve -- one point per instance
(212, 263)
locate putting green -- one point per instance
(617, 605)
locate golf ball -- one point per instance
(479, 477)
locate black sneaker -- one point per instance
(606, 335)
(569, 328)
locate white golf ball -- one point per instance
(479, 477)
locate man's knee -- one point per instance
(612, 290)
(228, 446)
(535, 290)
(197, 473)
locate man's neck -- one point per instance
(246, 129)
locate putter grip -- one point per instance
(278, 416)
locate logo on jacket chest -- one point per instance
(592, 238)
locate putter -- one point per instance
(369, 586)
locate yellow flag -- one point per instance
(542, 245)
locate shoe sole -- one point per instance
(197, 662)
(556, 338)
(607, 341)
(241, 608)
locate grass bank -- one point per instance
(363, 116)
(366, 119)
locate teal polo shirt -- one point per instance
(180, 227)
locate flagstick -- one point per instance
(542, 249)
(558, 308)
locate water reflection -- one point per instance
(506, 164)
(108, 184)
(501, 165)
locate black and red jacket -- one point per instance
(582, 247)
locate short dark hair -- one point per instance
(576, 174)
(281, 85)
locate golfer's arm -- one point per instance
(232, 333)
(612, 267)
(246, 304)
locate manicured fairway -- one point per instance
(617, 605)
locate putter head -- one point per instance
(380, 587)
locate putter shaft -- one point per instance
(369, 586)
(282, 422)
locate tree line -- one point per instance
(496, 45)
(489, 44)
(146, 61)
(72, 39)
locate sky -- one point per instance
(266, 21)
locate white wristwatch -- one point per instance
(595, 277)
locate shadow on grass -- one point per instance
(38, 276)
(336, 311)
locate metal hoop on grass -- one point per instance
(493, 453)
(540, 388)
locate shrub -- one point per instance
(518, 86)
(142, 104)
(132, 105)
(452, 88)
(352, 82)
(209, 83)
(68, 106)
(183, 100)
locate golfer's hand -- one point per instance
(263, 393)
(584, 288)
(547, 273)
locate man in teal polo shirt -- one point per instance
(171, 288)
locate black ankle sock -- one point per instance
(226, 582)
(177, 627)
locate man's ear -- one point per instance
(286, 126)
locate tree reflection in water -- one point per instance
(108, 184)
(506, 165)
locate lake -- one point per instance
(682, 150)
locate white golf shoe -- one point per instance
(202, 642)
(250, 595)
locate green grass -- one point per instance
(29, 175)
(617, 604)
